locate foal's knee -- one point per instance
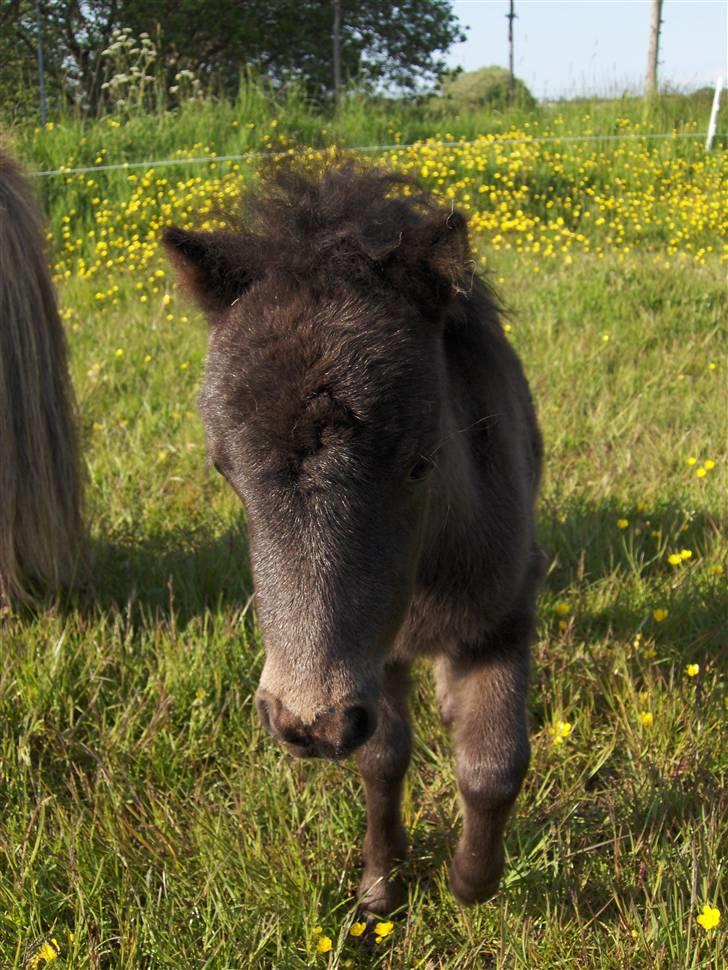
(488, 780)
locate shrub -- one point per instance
(486, 87)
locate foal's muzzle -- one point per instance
(332, 734)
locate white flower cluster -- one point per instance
(135, 77)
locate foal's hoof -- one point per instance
(379, 895)
(469, 886)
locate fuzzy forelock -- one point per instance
(341, 223)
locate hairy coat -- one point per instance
(362, 399)
(41, 530)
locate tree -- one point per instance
(379, 42)
(75, 32)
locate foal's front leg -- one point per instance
(484, 703)
(383, 763)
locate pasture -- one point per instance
(146, 819)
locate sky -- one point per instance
(566, 48)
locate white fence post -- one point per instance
(714, 114)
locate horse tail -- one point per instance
(41, 485)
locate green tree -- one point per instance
(383, 44)
(74, 32)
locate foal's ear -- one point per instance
(213, 267)
(438, 247)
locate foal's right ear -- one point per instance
(213, 267)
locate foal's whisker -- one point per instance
(469, 427)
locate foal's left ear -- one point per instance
(215, 268)
(438, 251)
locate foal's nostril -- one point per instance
(293, 736)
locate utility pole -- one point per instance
(336, 36)
(654, 51)
(510, 17)
(41, 71)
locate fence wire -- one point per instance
(484, 141)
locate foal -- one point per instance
(362, 400)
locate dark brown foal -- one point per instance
(363, 401)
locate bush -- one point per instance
(486, 87)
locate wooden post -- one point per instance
(336, 36)
(654, 51)
(511, 16)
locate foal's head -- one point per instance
(322, 407)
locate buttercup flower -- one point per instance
(659, 615)
(709, 918)
(358, 928)
(692, 670)
(559, 731)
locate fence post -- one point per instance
(713, 124)
(41, 69)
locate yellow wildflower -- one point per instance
(709, 918)
(560, 730)
(646, 718)
(382, 930)
(358, 928)
(622, 523)
(692, 670)
(675, 559)
(659, 615)
(324, 944)
(47, 952)
(562, 608)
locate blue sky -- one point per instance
(573, 47)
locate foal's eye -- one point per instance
(419, 469)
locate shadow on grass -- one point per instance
(173, 576)
(177, 576)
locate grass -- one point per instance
(146, 821)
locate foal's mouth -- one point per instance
(332, 735)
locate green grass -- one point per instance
(145, 811)
(142, 807)
(257, 122)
